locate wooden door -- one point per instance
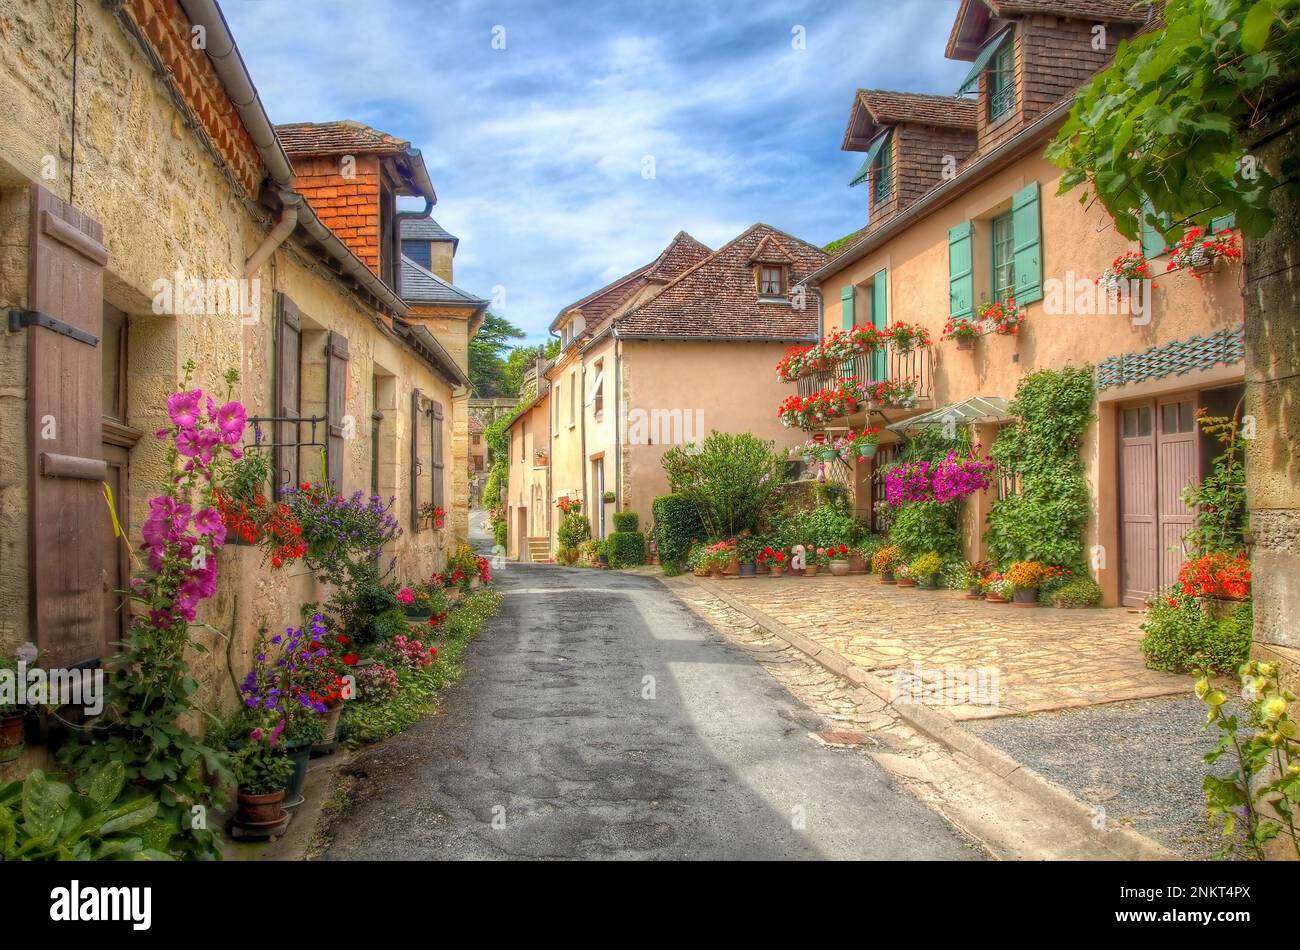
(1138, 535)
(1176, 468)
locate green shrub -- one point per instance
(573, 530)
(730, 479)
(927, 564)
(1181, 636)
(499, 531)
(825, 524)
(925, 526)
(676, 527)
(625, 521)
(1080, 592)
(625, 548)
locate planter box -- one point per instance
(906, 582)
(839, 568)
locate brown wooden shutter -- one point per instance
(435, 452)
(288, 391)
(336, 403)
(415, 461)
(64, 443)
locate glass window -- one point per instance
(882, 172)
(1002, 81)
(769, 283)
(598, 397)
(1004, 258)
(111, 356)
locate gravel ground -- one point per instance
(1140, 761)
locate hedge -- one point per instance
(625, 521)
(625, 548)
(573, 530)
(676, 525)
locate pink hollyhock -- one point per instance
(230, 419)
(183, 408)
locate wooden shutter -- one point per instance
(961, 273)
(66, 469)
(1153, 242)
(1223, 223)
(435, 453)
(1027, 238)
(415, 461)
(846, 306)
(336, 375)
(880, 320)
(288, 391)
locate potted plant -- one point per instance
(903, 575)
(748, 549)
(773, 559)
(415, 602)
(837, 556)
(905, 336)
(885, 561)
(858, 446)
(962, 329)
(1003, 317)
(925, 569)
(1219, 581)
(997, 589)
(608, 498)
(1025, 578)
(306, 730)
(1129, 266)
(814, 560)
(859, 559)
(717, 557)
(973, 574)
(432, 516)
(262, 773)
(1199, 252)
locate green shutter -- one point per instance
(1225, 223)
(846, 306)
(1153, 242)
(1027, 232)
(961, 275)
(879, 319)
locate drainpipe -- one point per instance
(279, 234)
(618, 430)
(414, 215)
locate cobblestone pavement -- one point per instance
(1045, 658)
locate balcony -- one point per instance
(914, 365)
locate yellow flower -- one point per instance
(1273, 708)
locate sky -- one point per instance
(569, 141)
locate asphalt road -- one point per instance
(599, 718)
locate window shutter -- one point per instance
(847, 293)
(961, 274)
(336, 375)
(288, 391)
(1223, 223)
(435, 452)
(66, 470)
(415, 461)
(879, 320)
(1027, 233)
(1153, 242)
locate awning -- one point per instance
(964, 413)
(987, 53)
(865, 171)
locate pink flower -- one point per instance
(230, 420)
(208, 522)
(183, 408)
(405, 597)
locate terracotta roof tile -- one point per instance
(890, 108)
(1124, 11)
(337, 138)
(717, 297)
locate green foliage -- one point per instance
(487, 375)
(1079, 592)
(839, 244)
(730, 479)
(1165, 121)
(925, 526)
(625, 521)
(241, 481)
(44, 820)
(1045, 520)
(927, 564)
(573, 530)
(499, 529)
(1181, 635)
(676, 526)
(1219, 500)
(823, 525)
(260, 769)
(625, 548)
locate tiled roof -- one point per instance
(337, 138)
(476, 425)
(717, 297)
(422, 286)
(1196, 352)
(682, 252)
(889, 108)
(425, 229)
(1123, 11)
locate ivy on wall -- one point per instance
(1044, 521)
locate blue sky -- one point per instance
(537, 150)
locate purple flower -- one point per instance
(183, 408)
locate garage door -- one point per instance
(1158, 460)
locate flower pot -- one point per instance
(260, 810)
(839, 567)
(733, 568)
(811, 570)
(299, 754)
(993, 598)
(867, 451)
(1218, 607)
(965, 342)
(975, 593)
(11, 735)
(907, 582)
(857, 564)
(928, 583)
(1025, 597)
(888, 578)
(777, 570)
(747, 569)
(330, 720)
(715, 573)
(475, 582)
(796, 572)
(417, 614)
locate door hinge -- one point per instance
(34, 318)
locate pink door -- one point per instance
(1158, 460)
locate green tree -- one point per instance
(486, 355)
(1163, 128)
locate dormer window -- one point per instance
(1002, 82)
(882, 173)
(771, 281)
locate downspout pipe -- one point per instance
(415, 215)
(279, 234)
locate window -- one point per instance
(573, 392)
(478, 439)
(113, 359)
(598, 390)
(882, 173)
(770, 282)
(1137, 422)
(1002, 82)
(1003, 256)
(376, 437)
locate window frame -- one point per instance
(997, 294)
(1002, 82)
(882, 173)
(779, 271)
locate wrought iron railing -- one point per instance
(913, 366)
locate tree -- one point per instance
(1159, 133)
(486, 364)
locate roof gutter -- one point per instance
(1006, 153)
(689, 338)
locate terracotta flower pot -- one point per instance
(777, 570)
(1026, 597)
(260, 810)
(928, 583)
(811, 570)
(857, 564)
(839, 567)
(715, 573)
(1218, 607)
(733, 568)
(907, 582)
(974, 594)
(993, 598)
(331, 722)
(888, 578)
(11, 731)
(965, 342)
